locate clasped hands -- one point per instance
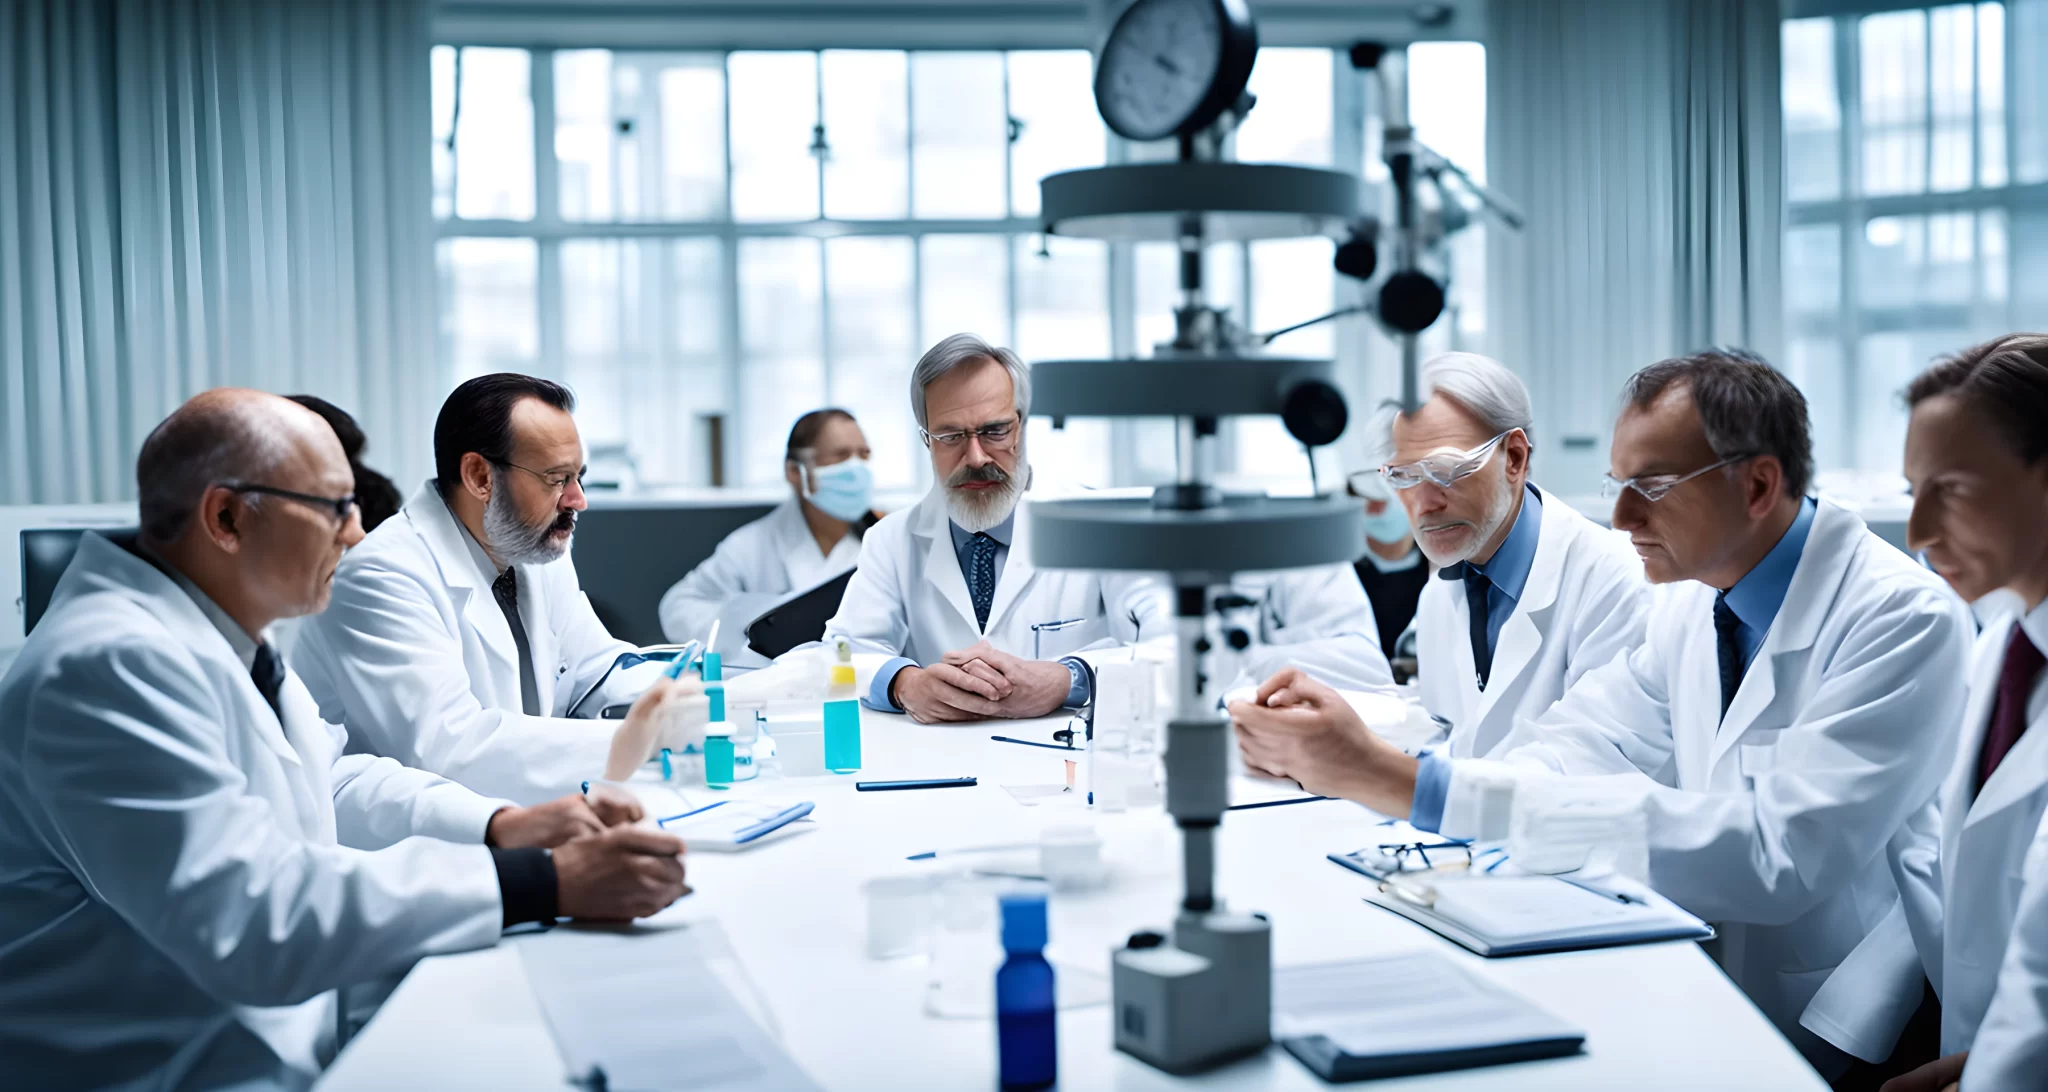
(981, 682)
(1300, 730)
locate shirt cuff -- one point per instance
(878, 688)
(1079, 689)
(526, 884)
(1432, 788)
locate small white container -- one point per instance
(899, 912)
(799, 743)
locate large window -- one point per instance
(705, 245)
(1916, 183)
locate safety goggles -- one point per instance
(1655, 487)
(1442, 470)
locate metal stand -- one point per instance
(1203, 994)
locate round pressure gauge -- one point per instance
(1171, 67)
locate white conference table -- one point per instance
(1656, 1016)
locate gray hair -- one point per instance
(1745, 406)
(961, 349)
(208, 441)
(1482, 385)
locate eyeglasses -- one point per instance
(1444, 470)
(999, 436)
(1414, 856)
(1654, 487)
(339, 507)
(557, 481)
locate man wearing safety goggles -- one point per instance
(1530, 595)
(1779, 733)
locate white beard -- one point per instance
(976, 512)
(1497, 511)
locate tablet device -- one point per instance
(797, 621)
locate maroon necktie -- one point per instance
(2009, 710)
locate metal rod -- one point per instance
(1198, 867)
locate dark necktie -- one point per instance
(1476, 611)
(981, 576)
(267, 670)
(505, 590)
(2023, 664)
(1728, 648)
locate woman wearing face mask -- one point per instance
(1392, 569)
(806, 541)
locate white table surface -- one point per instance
(1656, 1016)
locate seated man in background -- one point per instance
(1530, 595)
(1392, 569)
(807, 540)
(460, 640)
(1782, 728)
(947, 587)
(192, 867)
(376, 497)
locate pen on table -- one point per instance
(1276, 803)
(1601, 891)
(922, 783)
(1004, 848)
(1035, 743)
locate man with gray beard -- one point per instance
(946, 587)
(459, 640)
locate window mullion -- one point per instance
(1848, 316)
(729, 313)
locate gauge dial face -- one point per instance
(1161, 66)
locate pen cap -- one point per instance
(714, 669)
(1023, 920)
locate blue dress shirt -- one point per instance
(1507, 571)
(1755, 599)
(963, 551)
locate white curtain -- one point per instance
(1642, 138)
(199, 193)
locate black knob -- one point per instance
(1145, 939)
(1238, 639)
(1411, 301)
(1314, 412)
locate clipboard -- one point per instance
(797, 621)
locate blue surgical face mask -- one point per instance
(844, 490)
(1390, 525)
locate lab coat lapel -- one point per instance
(1831, 542)
(1522, 635)
(448, 542)
(2022, 770)
(1017, 572)
(942, 565)
(536, 614)
(1958, 791)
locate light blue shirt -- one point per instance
(1755, 599)
(963, 551)
(1507, 572)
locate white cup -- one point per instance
(802, 753)
(899, 914)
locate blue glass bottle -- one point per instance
(1026, 1042)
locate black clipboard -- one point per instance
(797, 621)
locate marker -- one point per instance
(1276, 803)
(928, 783)
(1034, 743)
(1005, 848)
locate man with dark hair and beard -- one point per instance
(946, 587)
(459, 640)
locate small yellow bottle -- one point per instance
(842, 711)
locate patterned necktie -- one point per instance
(981, 576)
(1729, 649)
(268, 673)
(2023, 664)
(505, 590)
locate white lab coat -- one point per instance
(2011, 1047)
(186, 879)
(1987, 840)
(1795, 821)
(1582, 605)
(414, 657)
(1317, 619)
(909, 598)
(755, 568)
